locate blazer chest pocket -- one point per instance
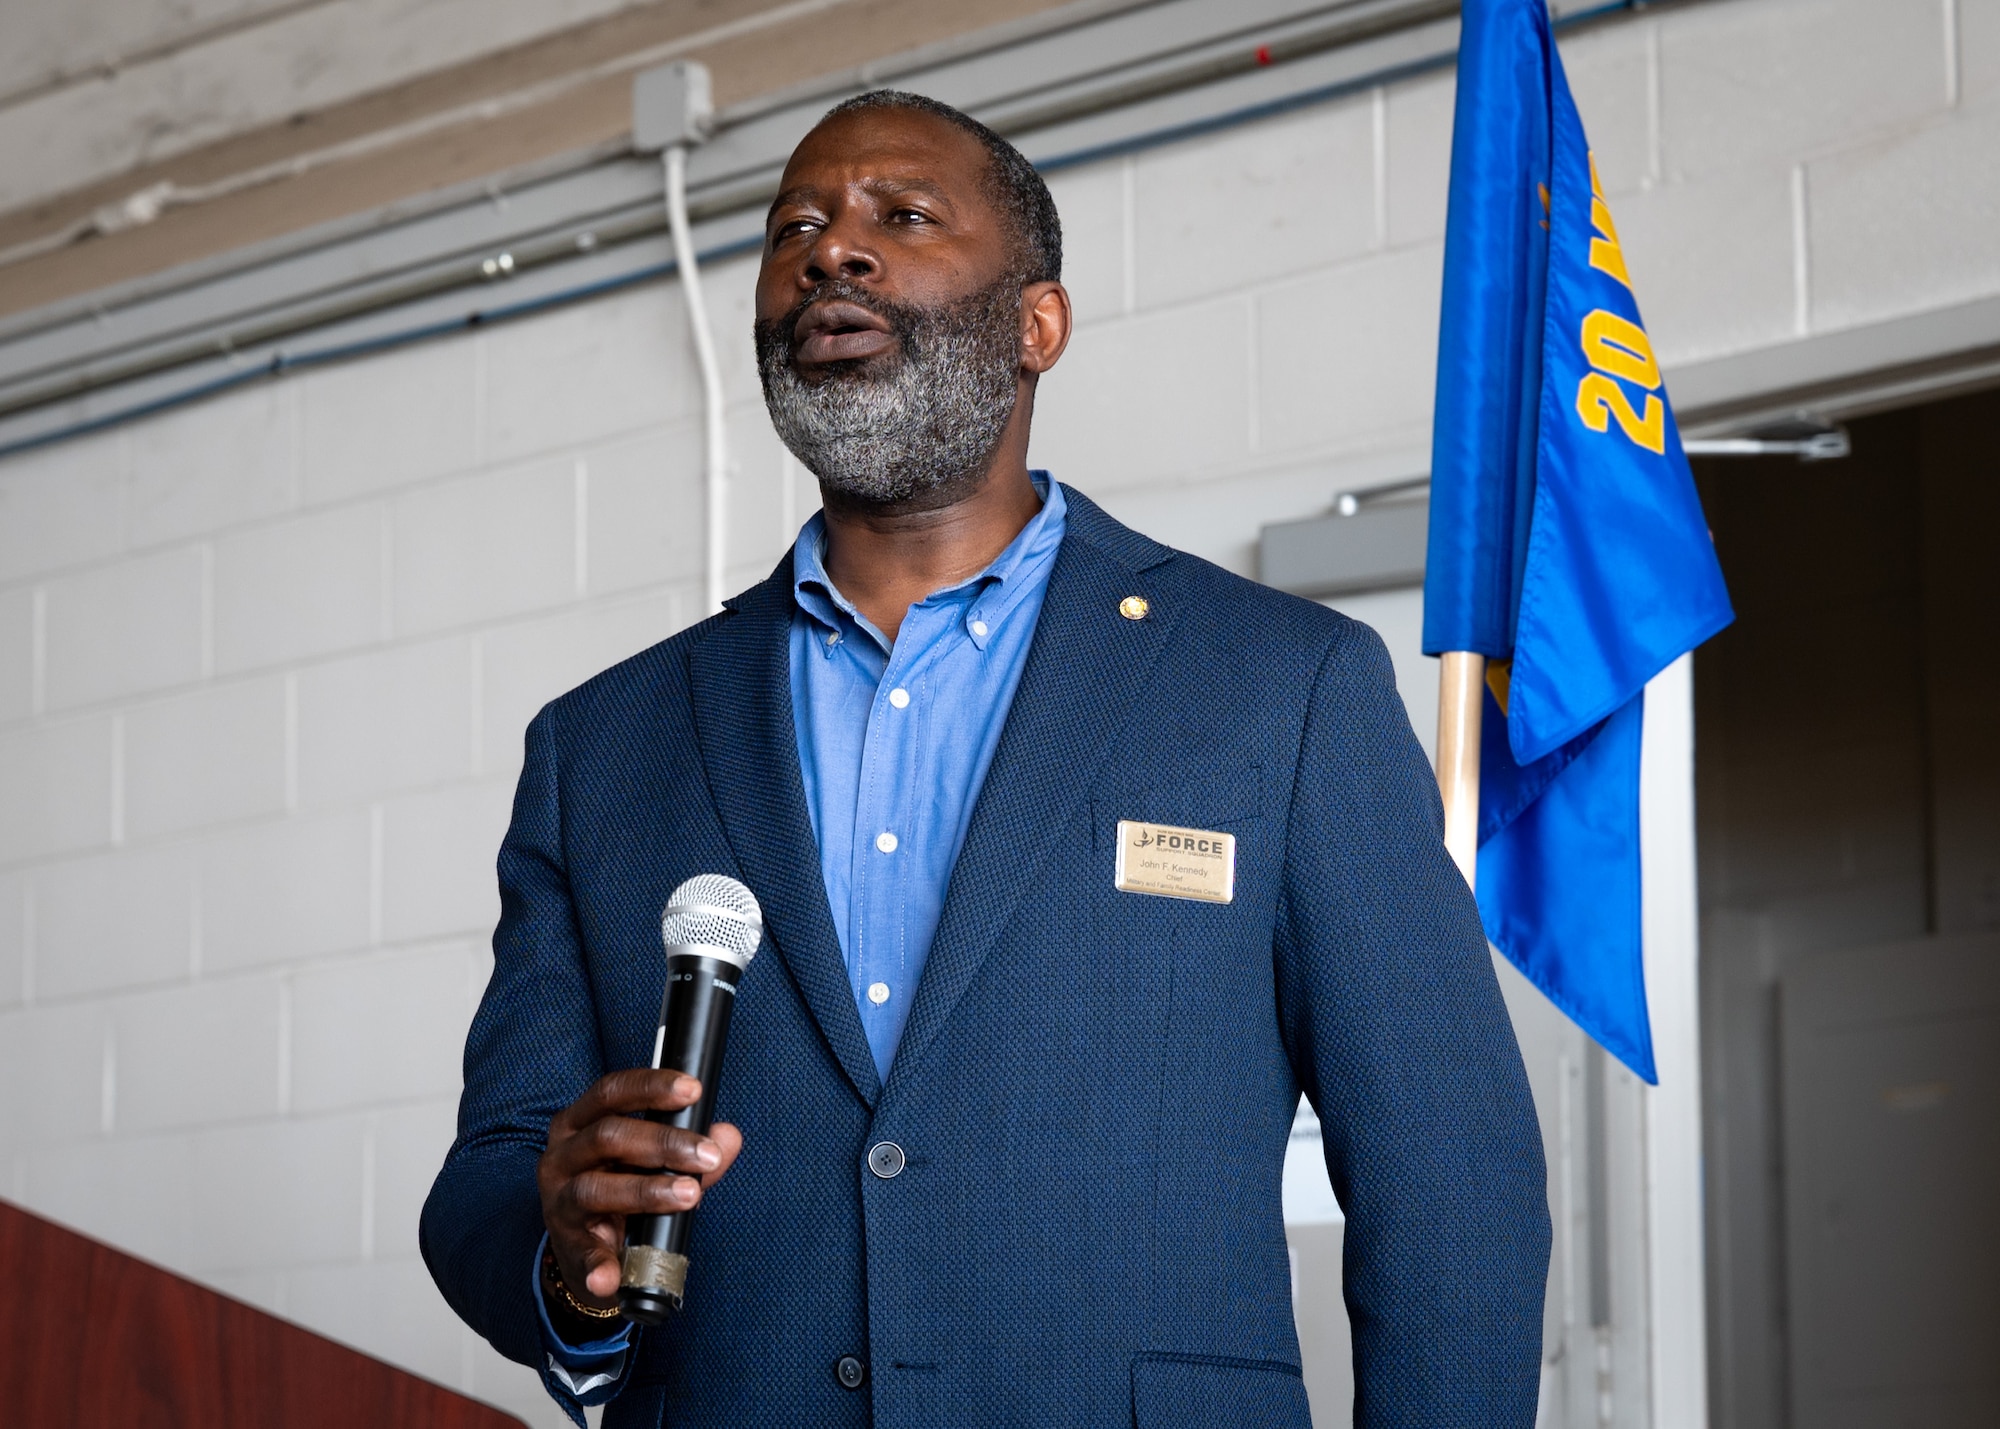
(1222, 801)
(1209, 823)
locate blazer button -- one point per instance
(886, 1160)
(850, 1372)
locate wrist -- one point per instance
(575, 1320)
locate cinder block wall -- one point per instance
(265, 662)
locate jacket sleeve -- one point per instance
(532, 1050)
(1394, 1021)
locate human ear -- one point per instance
(1045, 325)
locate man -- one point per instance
(1008, 1090)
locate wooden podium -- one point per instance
(91, 1338)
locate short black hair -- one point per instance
(1016, 187)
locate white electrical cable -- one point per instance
(716, 444)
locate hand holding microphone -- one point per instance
(587, 1177)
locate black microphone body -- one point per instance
(711, 928)
(694, 1031)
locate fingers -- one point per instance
(637, 1089)
(728, 1141)
(601, 1279)
(628, 1141)
(622, 1193)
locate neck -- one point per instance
(884, 557)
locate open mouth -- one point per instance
(840, 331)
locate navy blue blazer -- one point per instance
(1095, 1088)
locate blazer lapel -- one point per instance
(741, 679)
(1086, 666)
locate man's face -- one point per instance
(889, 307)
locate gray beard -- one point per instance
(929, 418)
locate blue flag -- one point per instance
(1567, 544)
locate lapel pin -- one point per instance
(1134, 607)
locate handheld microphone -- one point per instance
(711, 928)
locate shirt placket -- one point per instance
(889, 828)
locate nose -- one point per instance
(840, 253)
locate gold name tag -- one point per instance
(1175, 863)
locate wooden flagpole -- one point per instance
(1461, 701)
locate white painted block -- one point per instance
(207, 758)
(294, 1194)
(264, 1289)
(438, 861)
(135, 1194)
(1744, 84)
(13, 1090)
(389, 1309)
(1091, 203)
(646, 511)
(1349, 358)
(62, 1095)
(1906, 226)
(200, 1054)
(119, 920)
(484, 547)
(1711, 261)
(731, 291)
(1419, 124)
(301, 588)
(55, 788)
(215, 464)
(62, 505)
(410, 1145)
(1609, 75)
(389, 420)
(17, 653)
(384, 1027)
(584, 373)
(391, 719)
(527, 665)
(13, 944)
(125, 629)
(1131, 403)
(1220, 520)
(1255, 203)
(760, 510)
(285, 891)
(1979, 51)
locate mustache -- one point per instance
(782, 333)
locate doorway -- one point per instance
(1848, 824)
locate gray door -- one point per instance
(1892, 1184)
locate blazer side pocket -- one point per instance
(1217, 1392)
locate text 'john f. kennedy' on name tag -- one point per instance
(1175, 863)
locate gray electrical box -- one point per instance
(671, 105)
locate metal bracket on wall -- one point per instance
(1805, 437)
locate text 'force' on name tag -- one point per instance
(1175, 863)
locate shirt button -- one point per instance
(886, 1160)
(900, 698)
(886, 841)
(878, 993)
(979, 628)
(851, 1373)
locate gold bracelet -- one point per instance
(554, 1284)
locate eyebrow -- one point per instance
(879, 187)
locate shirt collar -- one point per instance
(987, 597)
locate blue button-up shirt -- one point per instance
(894, 743)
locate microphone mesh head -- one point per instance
(715, 912)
